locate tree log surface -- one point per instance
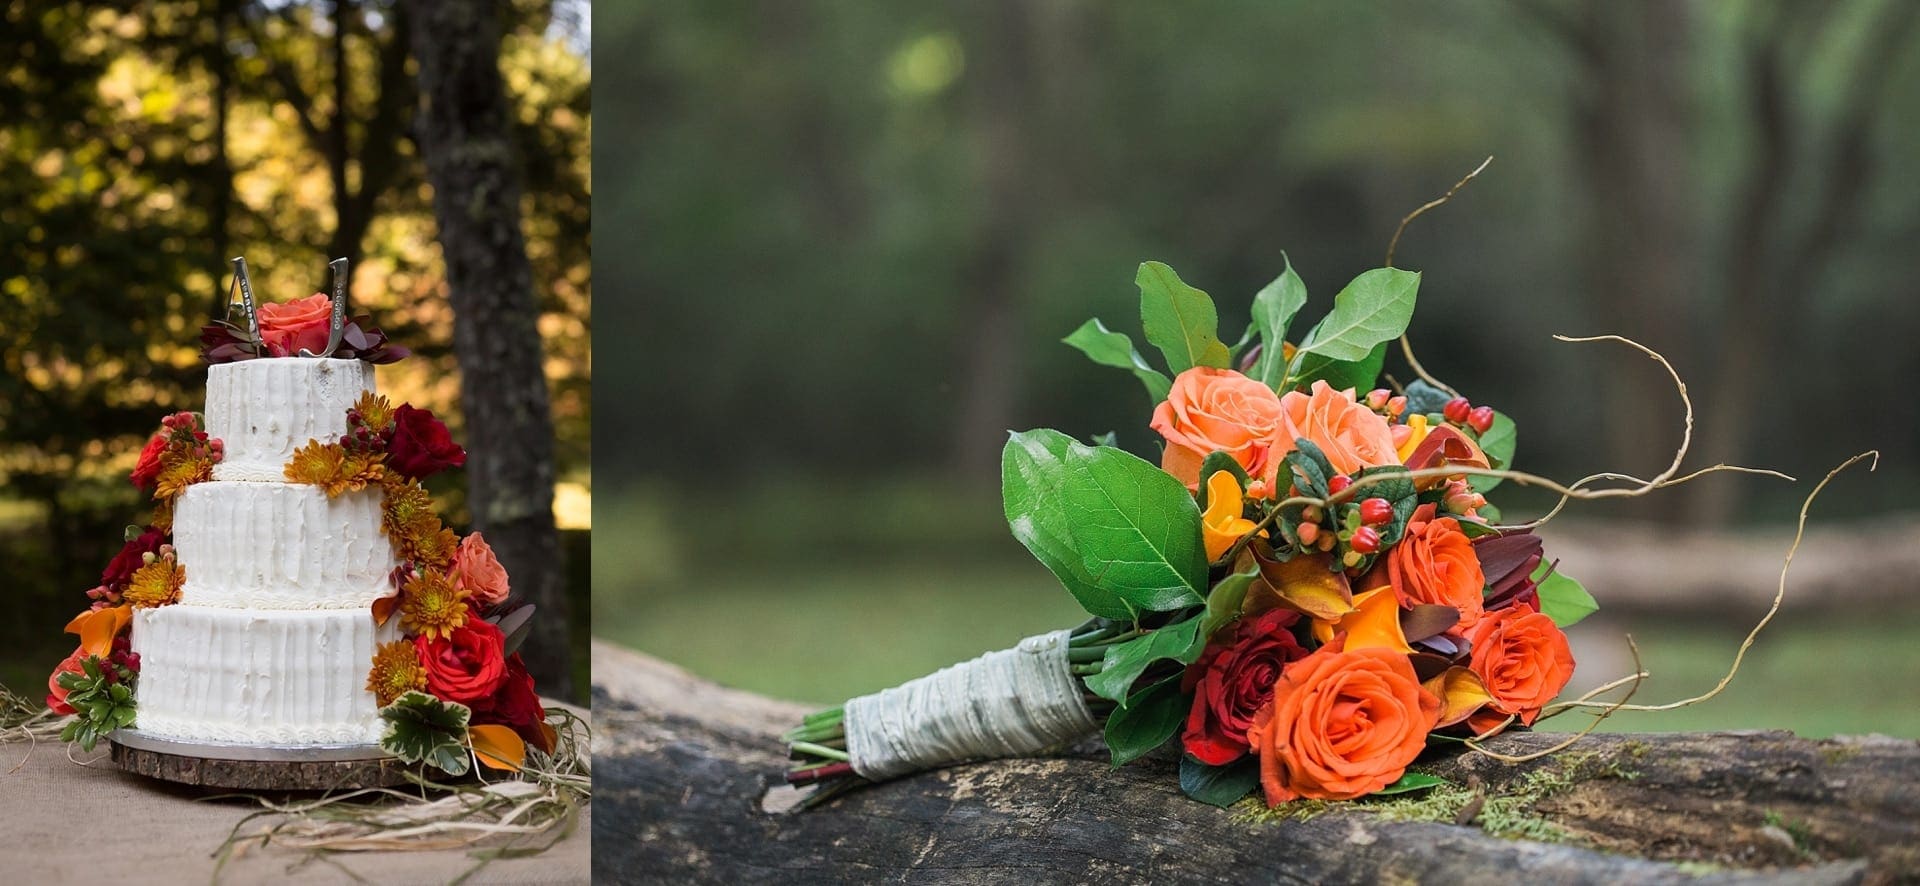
(683, 769)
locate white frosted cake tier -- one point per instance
(281, 546)
(264, 409)
(257, 677)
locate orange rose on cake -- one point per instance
(1435, 563)
(1218, 410)
(1523, 659)
(1348, 433)
(1342, 724)
(476, 569)
(304, 323)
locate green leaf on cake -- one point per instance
(1109, 348)
(424, 729)
(1273, 309)
(1151, 717)
(1375, 308)
(1180, 320)
(1121, 534)
(1561, 598)
(1125, 662)
(1498, 443)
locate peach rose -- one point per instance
(475, 569)
(1351, 435)
(1435, 563)
(1523, 658)
(1217, 410)
(302, 323)
(1342, 724)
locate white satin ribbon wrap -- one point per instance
(1012, 703)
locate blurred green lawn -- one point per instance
(817, 598)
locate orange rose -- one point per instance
(1351, 435)
(302, 323)
(1523, 658)
(1342, 724)
(475, 569)
(1217, 410)
(1435, 563)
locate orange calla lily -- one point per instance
(1374, 622)
(497, 746)
(1461, 694)
(1302, 583)
(1416, 431)
(548, 737)
(98, 627)
(384, 607)
(1222, 525)
(1444, 447)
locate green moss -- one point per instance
(1836, 753)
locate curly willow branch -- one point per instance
(1779, 595)
(1406, 346)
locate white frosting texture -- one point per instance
(281, 546)
(264, 409)
(257, 677)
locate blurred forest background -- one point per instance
(848, 238)
(142, 146)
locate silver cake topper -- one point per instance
(245, 286)
(339, 327)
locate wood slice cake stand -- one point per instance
(254, 767)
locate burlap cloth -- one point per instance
(61, 822)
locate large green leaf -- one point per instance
(1376, 307)
(1150, 717)
(1224, 602)
(1273, 309)
(1180, 320)
(1125, 662)
(1498, 443)
(421, 728)
(1220, 786)
(1122, 535)
(1562, 598)
(1109, 348)
(1360, 375)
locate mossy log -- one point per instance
(688, 789)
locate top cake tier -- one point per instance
(264, 409)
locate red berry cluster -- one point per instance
(184, 435)
(1461, 412)
(123, 659)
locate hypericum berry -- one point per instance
(1375, 511)
(1396, 406)
(1480, 419)
(1352, 559)
(1457, 410)
(1326, 542)
(1312, 514)
(1339, 484)
(1377, 398)
(1309, 533)
(1257, 489)
(1365, 540)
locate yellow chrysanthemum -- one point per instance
(396, 671)
(319, 464)
(406, 505)
(163, 516)
(376, 411)
(431, 605)
(155, 584)
(363, 469)
(429, 544)
(180, 473)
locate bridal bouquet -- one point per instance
(1307, 589)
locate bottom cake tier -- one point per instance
(255, 676)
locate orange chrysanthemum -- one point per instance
(178, 473)
(407, 504)
(429, 544)
(332, 468)
(163, 516)
(431, 605)
(364, 469)
(155, 584)
(396, 671)
(376, 411)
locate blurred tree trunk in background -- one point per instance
(476, 181)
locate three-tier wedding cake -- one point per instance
(271, 638)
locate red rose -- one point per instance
(147, 470)
(1233, 680)
(301, 324)
(516, 705)
(467, 666)
(421, 446)
(132, 557)
(57, 694)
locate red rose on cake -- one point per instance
(516, 706)
(421, 445)
(479, 572)
(131, 558)
(1233, 680)
(147, 469)
(301, 324)
(467, 666)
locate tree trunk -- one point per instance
(684, 768)
(476, 181)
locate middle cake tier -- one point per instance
(281, 546)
